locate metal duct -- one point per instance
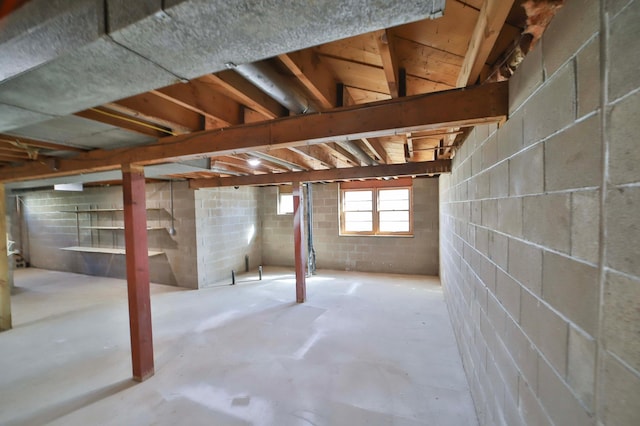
(274, 84)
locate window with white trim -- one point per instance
(376, 208)
(285, 200)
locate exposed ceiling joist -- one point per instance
(392, 170)
(389, 60)
(308, 68)
(490, 22)
(19, 140)
(455, 108)
(118, 119)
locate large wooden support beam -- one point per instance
(298, 242)
(5, 283)
(391, 170)
(135, 232)
(488, 103)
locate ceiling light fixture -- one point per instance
(253, 162)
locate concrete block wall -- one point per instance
(405, 255)
(47, 228)
(228, 228)
(540, 231)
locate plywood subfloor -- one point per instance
(366, 349)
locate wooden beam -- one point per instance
(298, 243)
(137, 260)
(12, 140)
(490, 22)
(5, 287)
(245, 93)
(487, 103)
(308, 68)
(391, 170)
(323, 154)
(389, 60)
(200, 96)
(117, 119)
(155, 109)
(376, 149)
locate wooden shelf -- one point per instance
(112, 228)
(102, 210)
(105, 250)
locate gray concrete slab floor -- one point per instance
(366, 349)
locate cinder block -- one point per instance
(573, 158)
(525, 265)
(557, 399)
(497, 317)
(622, 318)
(527, 78)
(572, 26)
(624, 127)
(546, 329)
(624, 38)
(623, 230)
(581, 366)
(563, 278)
(490, 213)
(510, 217)
(530, 407)
(499, 249)
(620, 391)
(526, 172)
(510, 136)
(482, 240)
(552, 108)
(547, 220)
(523, 353)
(508, 293)
(585, 225)
(489, 152)
(499, 180)
(588, 77)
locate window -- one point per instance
(376, 208)
(285, 200)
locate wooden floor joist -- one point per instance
(454, 108)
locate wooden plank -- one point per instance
(427, 62)
(137, 260)
(391, 170)
(360, 96)
(308, 68)
(487, 103)
(5, 287)
(237, 88)
(106, 250)
(362, 49)
(354, 74)
(389, 58)
(200, 96)
(153, 108)
(298, 243)
(117, 119)
(10, 139)
(490, 21)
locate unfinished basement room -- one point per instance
(320, 212)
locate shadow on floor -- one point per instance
(48, 414)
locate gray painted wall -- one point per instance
(228, 229)
(540, 233)
(405, 255)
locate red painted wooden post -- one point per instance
(298, 239)
(135, 232)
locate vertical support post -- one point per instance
(135, 233)
(5, 283)
(298, 240)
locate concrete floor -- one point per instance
(366, 349)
